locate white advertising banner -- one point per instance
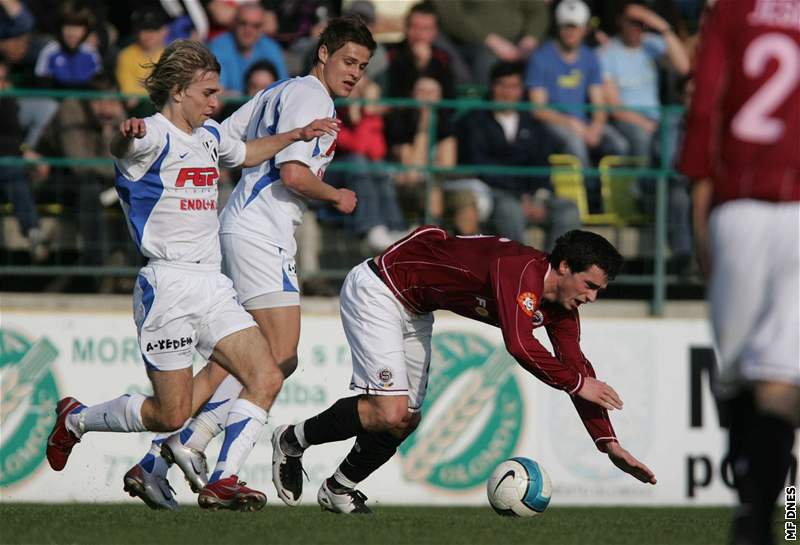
(481, 409)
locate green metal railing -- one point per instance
(660, 173)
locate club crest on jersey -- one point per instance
(481, 310)
(385, 377)
(527, 302)
(211, 148)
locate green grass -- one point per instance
(118, 524)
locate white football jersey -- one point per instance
(261, 206)
(167, 185)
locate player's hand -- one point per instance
(627, 463)
(600, 393)
(319, 127)
(346, 201)
(133, 127)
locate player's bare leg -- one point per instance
(247, 356)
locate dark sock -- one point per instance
(761, 454)
(338, 422)
(370, 451)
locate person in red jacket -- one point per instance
(387, 306)
(742, 151)
(377, 218)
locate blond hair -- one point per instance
(176, 69)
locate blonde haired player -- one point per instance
(166, 177)
(257, 233)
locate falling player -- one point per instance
(387, 306)
(742, 150)
(167, 181)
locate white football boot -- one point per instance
(350, 502)
(287, 471)
(152, 489)
(191, 461)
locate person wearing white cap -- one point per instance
(567, 73)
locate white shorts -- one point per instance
(390, 346)
(178, 308)
(755, 291)
(264, 275)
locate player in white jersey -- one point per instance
(258, 224)
(167, 181)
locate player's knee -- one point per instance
(779, 399)
(288, 364)
(396, 417)
(172, 419)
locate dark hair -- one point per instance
(347, 28)
(258, 66)
(425, 8)
(503, 69)
(582, 249)
(77, 13)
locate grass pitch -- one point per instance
(126, 524)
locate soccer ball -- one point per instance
(519, 487)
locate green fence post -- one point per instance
(659, 264)
(432, 132)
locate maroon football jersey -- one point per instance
(500, 282)
(743, 127)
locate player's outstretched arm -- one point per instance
(600, 393)
(131, 128)
(266, 147)
(299, 178)
(627, 463)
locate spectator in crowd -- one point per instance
(407, 134)
(150, 27)
(15, 19)
(246, 44)
(222, 17)
(379, 63)
(188, 20)
(14, 179)
(377, 217)
(82, 130)
(631, 79)
(567, 73)
(513, 138)
(418, 56)
(486, 32)
(70, 61)
(259, 76)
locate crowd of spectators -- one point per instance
(570, 59)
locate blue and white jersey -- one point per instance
(167, 185)
(261, 206)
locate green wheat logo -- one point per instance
(28, 395)
(472, 414)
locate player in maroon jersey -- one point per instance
(387, 306)
(742, 151)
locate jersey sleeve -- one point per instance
(143, 151)
(703, 118)
(299, 107)
(235, 125)
(564, 334)
(232, 150)
(515, 307)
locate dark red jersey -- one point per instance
(743, 127)
(500, 282)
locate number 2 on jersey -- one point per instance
(753, 122)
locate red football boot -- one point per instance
(230, 493)
(61, 440)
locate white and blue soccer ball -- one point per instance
(519, 487)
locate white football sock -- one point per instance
(212, 417)
(242, 431)
(123, 414)
(300, 433)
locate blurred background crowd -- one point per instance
(568, 61)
